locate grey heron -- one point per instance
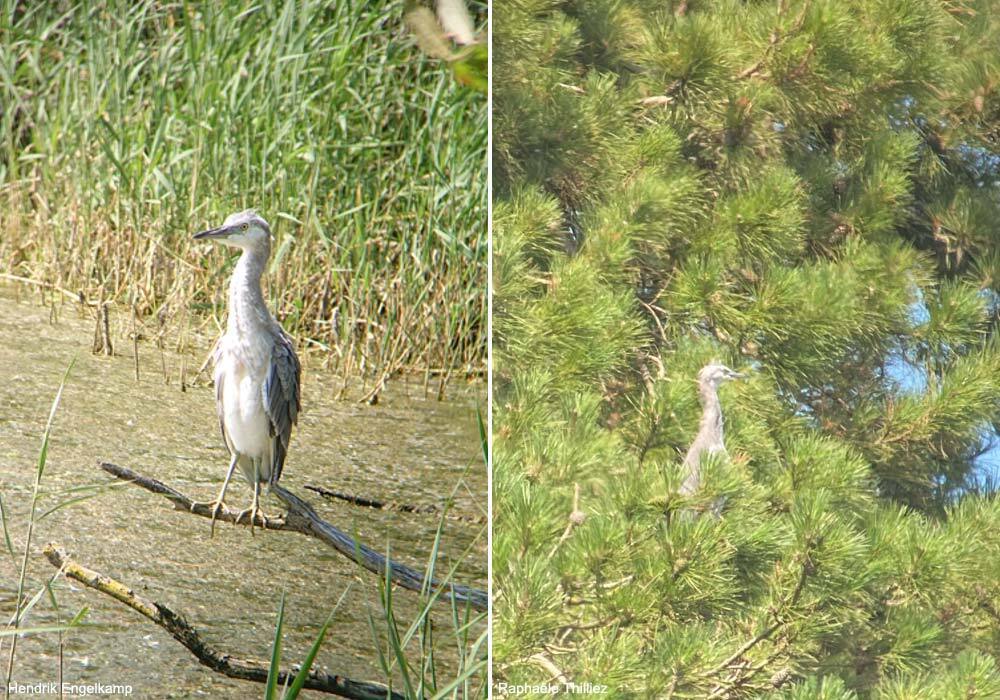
(256, 371)
(709, 439)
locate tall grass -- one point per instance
(127, 126)
(407, 654)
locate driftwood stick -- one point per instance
(303, 519)
(181, 630)
(430, 509)
(75, 296)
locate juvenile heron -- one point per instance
(709, 439)
(256, 370)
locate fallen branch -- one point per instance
(303, 519)
(75, 296)
(396, 507)
(183, 632)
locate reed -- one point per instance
(407, 654)
(406, 651)
(127, 126)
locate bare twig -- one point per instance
(547, 663)
(776, 37)
(207, 361)
(183, 632)
(656, 100)
(576, 518)
(135, 340)
(102, 331)
(75, 296)
(398, 507)
(303, 519)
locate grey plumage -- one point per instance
(710, 438)
(257, 373)
(281, 399)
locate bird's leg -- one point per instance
(218, 502)
(254, 510)
(222, 493)
(255, 506)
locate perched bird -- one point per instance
(257, 373)
(709, 439)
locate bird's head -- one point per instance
(245, 229)
(715, 373)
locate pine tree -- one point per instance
(806, 190)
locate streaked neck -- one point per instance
(246, 300)
(711, 416)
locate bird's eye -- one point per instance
(246, 227)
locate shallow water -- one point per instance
(405, 450)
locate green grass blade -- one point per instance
(483, 436)
(63, 504)
(300, 678)
(41, 629)
(6, 532)
(271, 687)
(36, 488)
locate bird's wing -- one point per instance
(219, 378)
(281, 399)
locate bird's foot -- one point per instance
(217, 505)
(255, 516)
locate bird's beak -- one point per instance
(738, 375)
(220, 232)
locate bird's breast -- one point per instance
(241, 401)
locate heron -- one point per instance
(709, 439)
(256, 371)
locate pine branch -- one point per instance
(545, 662)
(742, 673)
(775, 39)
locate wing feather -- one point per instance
(282, 399)
(219, 379)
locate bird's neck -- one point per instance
(246, 300)
(711, 415)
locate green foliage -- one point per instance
(274, 667)
(807, 191)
